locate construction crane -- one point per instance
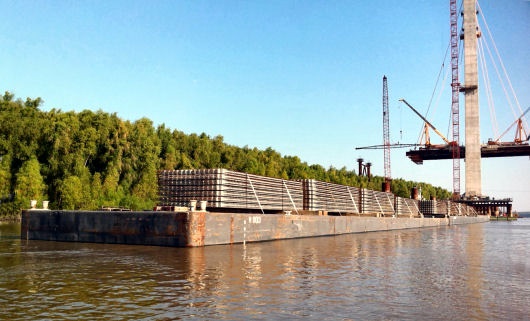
(520, 134)
(427, 125)
(455, 107)
(386, 136)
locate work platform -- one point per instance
(491, 207)
(446, 152)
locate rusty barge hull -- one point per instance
(195, 229)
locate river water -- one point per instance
(469, 272)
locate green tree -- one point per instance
(8, 96)
(168, 150)
(88, 159)
(111, 195)
(5, 176)
(71, 193)
(29, 184)
(96, 191)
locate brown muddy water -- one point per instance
(463, 272)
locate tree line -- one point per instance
(87, 159)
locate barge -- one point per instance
(239, 208)
(200, 228)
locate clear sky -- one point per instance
(302, 77)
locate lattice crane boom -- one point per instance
(520, 134)
(428, 123)
(386, 131)
(455, 108)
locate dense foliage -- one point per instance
(91, 159)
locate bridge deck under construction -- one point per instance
(446, 152)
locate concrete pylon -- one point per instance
(470, 89)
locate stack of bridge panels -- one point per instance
(433, 207)
(471, 211)
(427, 207)
(456, 208)
(464, 209)
(406, 206)
(377, 202)
(461, 209)
(441, 207)
(335, 198)
(223, 188)
(177, 188)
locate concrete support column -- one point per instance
(470, 88)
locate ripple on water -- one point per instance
(460, 272)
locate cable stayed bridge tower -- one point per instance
(471, 33)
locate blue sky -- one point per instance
(302, 77)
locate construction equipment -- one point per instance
(386, 136)
(455, 89)
(473, 150)
(398, 145)
(427, 124)
(521, 136)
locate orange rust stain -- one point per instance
(196, 228)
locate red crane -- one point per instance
(455, 108)
(386, 137)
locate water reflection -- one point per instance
(439, 273)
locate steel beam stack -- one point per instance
(433, 207)
(467, 210)
(226, 189)
(428, 207)
(222, 188)
(406, 206)
(461, 209)
(377, 202)
(456, 208)
(335, 198)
